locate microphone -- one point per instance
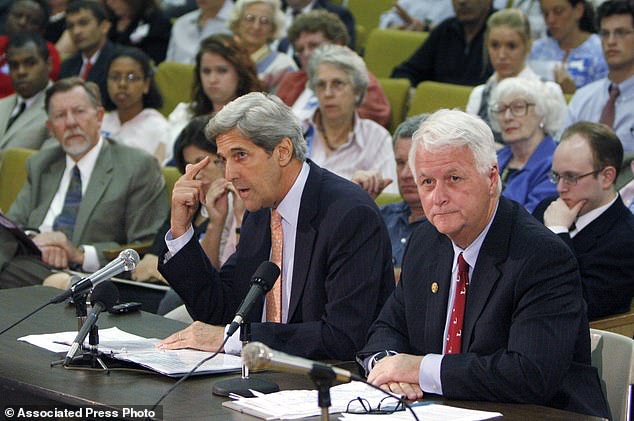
(257, 356)
(126, 261)
(262, 281)
(104, 296)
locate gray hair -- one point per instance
(279, 19)
(549, 101)
(263, 118)
(344, 59)
(452, 129)
(407, 128)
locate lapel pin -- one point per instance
(434, 287)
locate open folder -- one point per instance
(120, 345)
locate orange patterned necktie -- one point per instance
(274, 296)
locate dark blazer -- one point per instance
(99, 72)
(342, 272)
(605, 252)
(525, 337)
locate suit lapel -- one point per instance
(437, 288)
(99, 181)
(50, 177)
(305, 237)
(587, 238)
(5, 114)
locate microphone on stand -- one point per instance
(126, 261)
(258, 356)
(103, 297)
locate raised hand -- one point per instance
(188, 193)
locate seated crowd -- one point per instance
(284, 151)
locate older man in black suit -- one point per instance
(489, 306)
(591, 217)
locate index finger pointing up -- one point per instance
(192, 170)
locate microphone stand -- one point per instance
(242, 385)
(323, 379)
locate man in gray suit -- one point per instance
(22, 115)
(87, 194)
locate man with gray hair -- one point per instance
(324, 232)
(489, 306)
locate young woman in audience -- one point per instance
(507, 41)
(217, 222)
(528, 113)
(223, 72)
(132, 118)
(338, 139)
(571, 55)
(257, 23)
(141, 24)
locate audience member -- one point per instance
(611, 100)
(416, 15)
(87, 194)
(88, 25)
(141, 24)
(56, 21)
(591, 218)
(528, 114)
(257, 23)
(403, 217)
(132, 117)
(296, 8)
(337, 138)
(320, 222)
(222, 73)
(25, 16)
(571, 53)
(489, 306)
(22, 115)
(308, 32)
(532, 9)
(210, 18)
(453, 52)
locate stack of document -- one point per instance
(296, 404)
(118, 344)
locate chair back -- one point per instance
(13, 174)
(174, 81)
(613, 357)
(171, 175)
(387, 48)
(432, 96)
(367, 14)
(397, 92)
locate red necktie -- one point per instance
(609, 109)
(274, 296)
(454, 333)
(86, 70)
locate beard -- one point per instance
(77, 146)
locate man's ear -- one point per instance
(608, 176)
(284, 153)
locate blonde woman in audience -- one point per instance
(337, 138)
(223, 72)
(257, 23)
(528, 113)
(133, 98)
(507, 42)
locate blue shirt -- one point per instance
(396, 218)
(530, 185)
(584, 63)
(588, 102)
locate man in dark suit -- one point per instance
(88, 25)
(591, 217)
(489, 304)
(335, 259)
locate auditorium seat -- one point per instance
(397, 92)
(431, 96)
(367, 13)
(174, 81)
(13, 174)
(387, 48)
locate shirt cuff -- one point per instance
(429, 374)
(174, 245)
(91, 259)
(559, 229)
(233, 345)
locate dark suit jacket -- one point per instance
(342, 272)
(525, 336)
(99, 72)
(605, 252)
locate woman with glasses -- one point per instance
(257, 23)
(571, 54)
(528, 114)
(223, 72)
(338, 139)
(216, 223)
(132, 118)
(507, 42)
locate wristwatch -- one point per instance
(379, 356)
